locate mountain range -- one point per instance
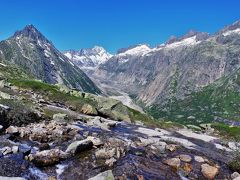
(88, 58)
(159, 78)
(165, 80)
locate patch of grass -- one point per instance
(234, 164)
(229, 132)
(53, 93)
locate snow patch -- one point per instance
(235, 31)
(136, 51)
(47, 53)
(185, 42)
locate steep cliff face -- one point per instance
(31, 51)
(176, 69)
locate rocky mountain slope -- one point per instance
(31, 51)
(176, 69)
(88, 58)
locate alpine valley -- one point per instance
(165, 112)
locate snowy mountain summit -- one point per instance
(88, 58)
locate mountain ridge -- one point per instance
(30, 49)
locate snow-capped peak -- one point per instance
(88, 58)
(136, 50)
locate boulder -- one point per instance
(102, 123)
(173, 162)
(234, 146)
(88, 109)
(209, 172)
(6, 150)
(105, 153)
(60, 117)
(4, 95)
(235, 175)
(11, 178)
(15, 149)
(79, 146)
(185, 158)
(96, 141)
(47, 157)
(199, 159)
(171, 147)
(190, 117)
(107, 175)
(110, 108)
(12, 130)
(110, 162)
(193, 127)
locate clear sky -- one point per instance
(113, 24)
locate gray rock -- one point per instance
(185, 157)
(96, 141)
(15, 149)
(11, 178)
(173, 162)
(107, 175)
(199, 159)
(6, 150)
(79, 146)
(60, 117)
(105, 153)
(47, 157)
(5, 95)
(12, 130)
(110, 162)
(235, 175)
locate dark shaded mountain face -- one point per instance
(173, 71)
(30, 50)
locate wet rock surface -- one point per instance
(93, 149)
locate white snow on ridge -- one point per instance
(235, 31)
(136, 51)
(185, 42)
(68, 54)
(89, 58)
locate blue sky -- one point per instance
(113, 24)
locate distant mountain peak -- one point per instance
(31, 32)
(88, 58)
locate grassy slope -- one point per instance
(218, 100)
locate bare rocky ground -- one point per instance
(71, 145)
(60, 149)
